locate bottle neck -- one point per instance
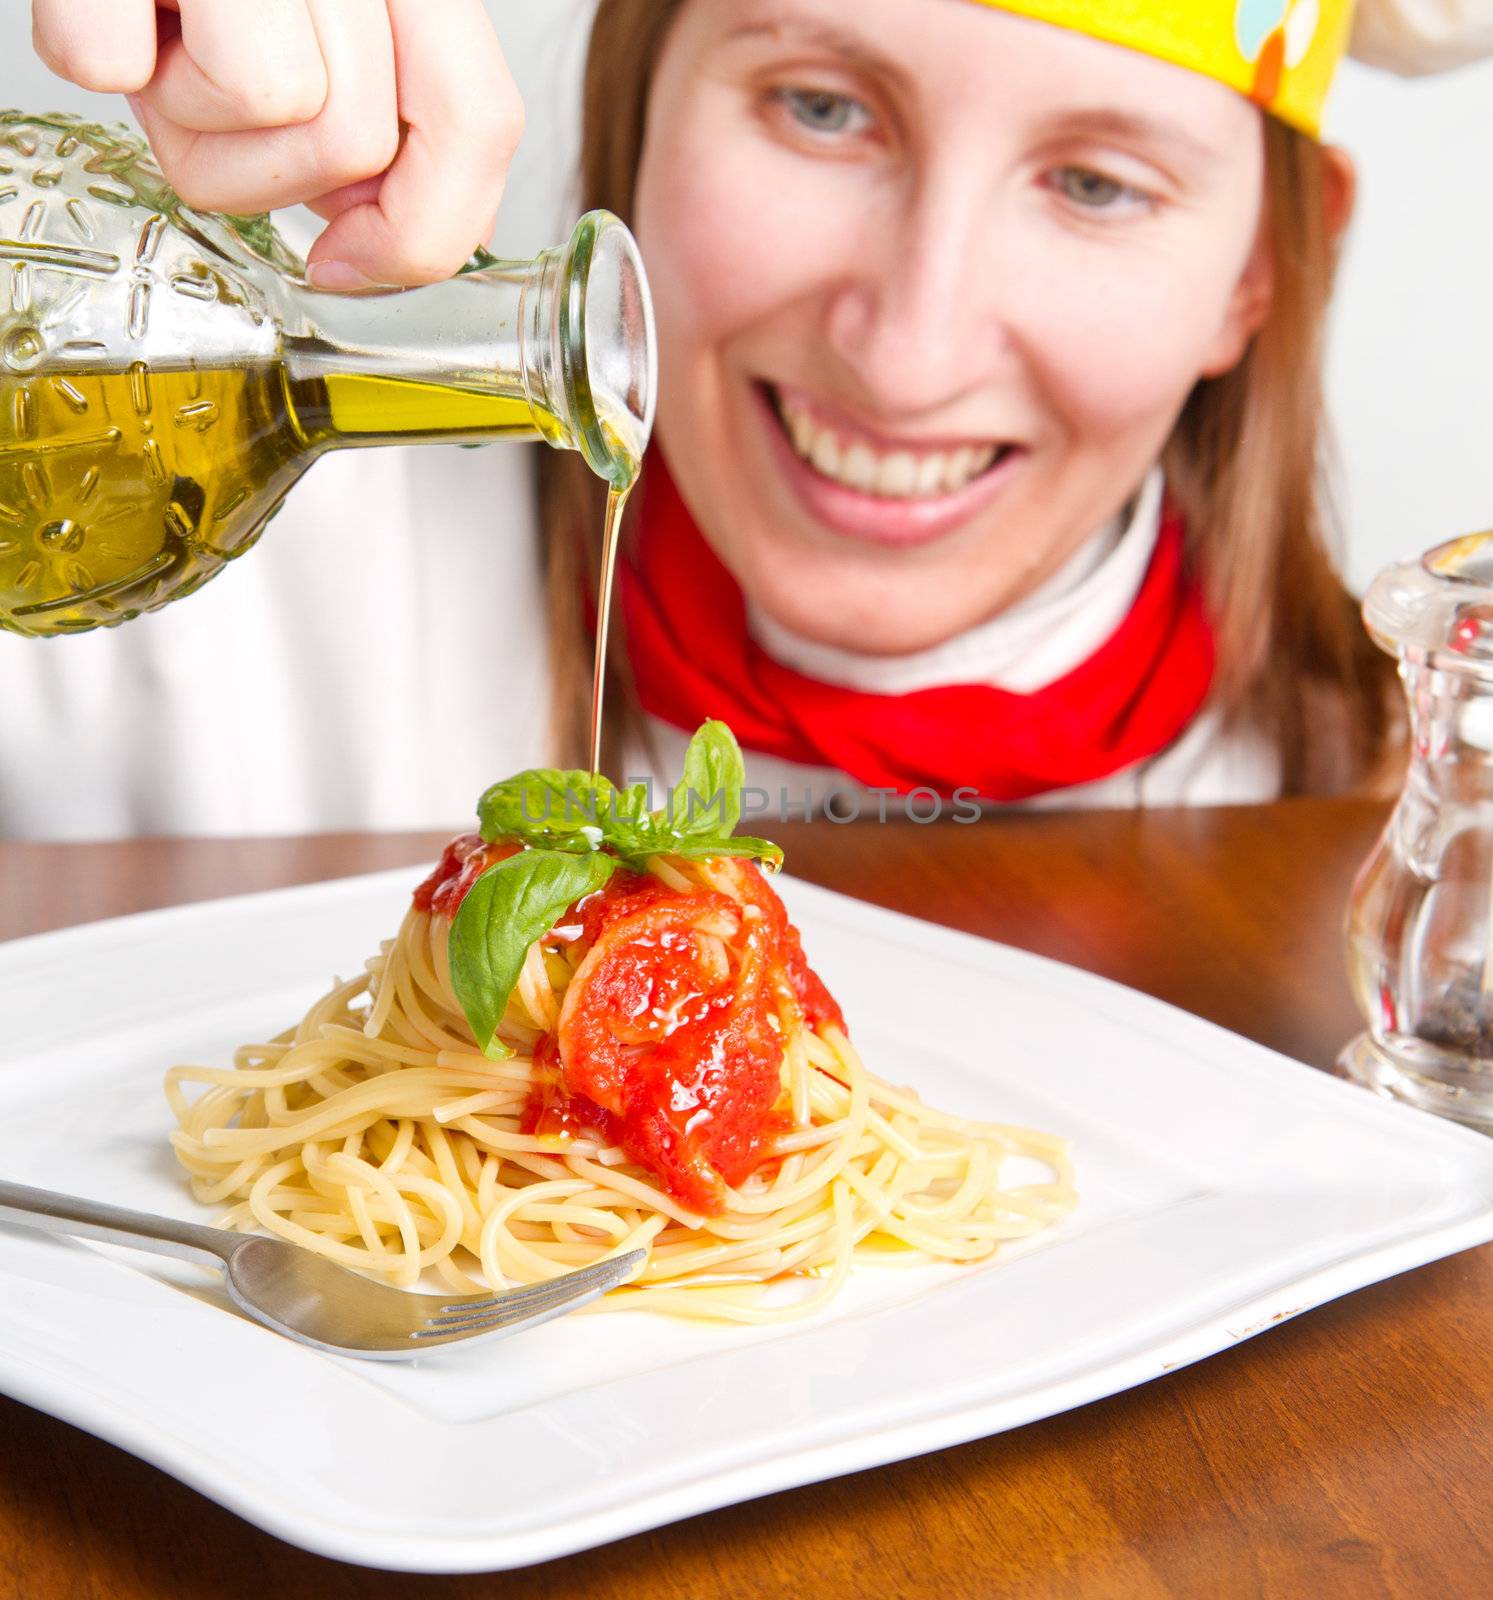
(465, 361)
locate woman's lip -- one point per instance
(898, 524)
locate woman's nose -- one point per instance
(918, 316)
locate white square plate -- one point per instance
(1222, 1187)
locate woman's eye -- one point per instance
(824, 111)
(1092, 190)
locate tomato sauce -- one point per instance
(553, 1109)
(625, 891)
(814, 1000)
(669, 1042)
(462, 862)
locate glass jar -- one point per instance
(167, 375)
(1420, 920)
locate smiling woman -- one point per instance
(989, 404)
(989, 426)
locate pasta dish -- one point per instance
(596, 1030)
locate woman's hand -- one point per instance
(394, 119)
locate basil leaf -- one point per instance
(580, 813)
(511, 905)
(547, 806)
(707, 799)
(631, 804)
(763, 850)
(633, 831)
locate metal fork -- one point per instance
(309, 1298)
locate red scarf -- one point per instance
(692, 658)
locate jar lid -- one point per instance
(1439, 608)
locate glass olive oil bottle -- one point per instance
(166, 375)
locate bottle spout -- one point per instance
(591, 358)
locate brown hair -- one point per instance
(1244, 465)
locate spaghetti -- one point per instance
(679, 1080)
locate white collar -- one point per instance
(1029, 645)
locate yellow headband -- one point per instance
(1280, 53)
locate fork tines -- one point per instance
(523, 1304)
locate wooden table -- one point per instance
(1349, 1452)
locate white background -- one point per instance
(1411, 352)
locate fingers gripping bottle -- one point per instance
(166, 375)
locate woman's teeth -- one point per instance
(888, 474)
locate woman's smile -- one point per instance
(866, 483)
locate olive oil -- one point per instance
(120, 490)
(611, 531)
(366, 408)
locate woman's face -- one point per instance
(933, 282)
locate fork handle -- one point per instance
(91, 1219)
